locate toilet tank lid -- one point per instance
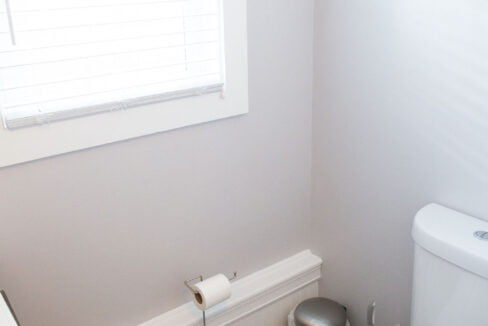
(451, 236)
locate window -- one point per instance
(65, 58)
(180, 62)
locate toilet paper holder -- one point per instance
(189, 283)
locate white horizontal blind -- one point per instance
(61, 59)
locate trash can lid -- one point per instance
(320, 312)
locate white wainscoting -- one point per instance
(262, 298)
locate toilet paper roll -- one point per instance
(212, 291)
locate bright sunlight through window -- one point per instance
(61, 59)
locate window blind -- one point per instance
(62, 59)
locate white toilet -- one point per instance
(450, 283)
(450, 286)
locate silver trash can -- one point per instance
(320, 312)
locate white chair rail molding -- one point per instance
(76, 74)
(278, 288)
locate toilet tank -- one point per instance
(450, 281)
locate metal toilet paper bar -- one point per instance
(189, 285)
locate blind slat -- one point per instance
(107, 51)
(25, 26)
(29, 117)
(72, 88)
(210, 34)
(81, 68)
(14, 61)
(187, 65)
(43, 6)
(100, 93)
(87, 35)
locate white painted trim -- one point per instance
(250, 293)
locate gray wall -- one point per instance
(106, 236)
(400, 120)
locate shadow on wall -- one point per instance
(400, 120)
(447, 73)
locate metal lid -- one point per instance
(320, 312)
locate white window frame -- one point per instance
(27, 144)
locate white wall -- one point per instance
(400, 120)
(105, 237)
